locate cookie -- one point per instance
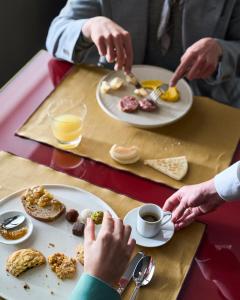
(23, 260)
(80, 254)
(62, 265)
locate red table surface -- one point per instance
(215, 271)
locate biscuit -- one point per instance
(62, 265)
(80, 254)
(23, 260)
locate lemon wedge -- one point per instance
(171, 95)
(151, 84)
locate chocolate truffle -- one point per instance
(72, 215)
(78, 228)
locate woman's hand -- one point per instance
(192, 201)
(107, 256)
(200, 61)
(111, 41)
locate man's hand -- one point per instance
(111, 41)
(200, 61)
(192, 201)
(107, 256)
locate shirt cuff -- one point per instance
(90, 287)
(227, 183)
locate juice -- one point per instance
(67, 128)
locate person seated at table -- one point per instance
(192, 201)
(105, 259)
(200, 39)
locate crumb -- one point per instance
(46, 275)
(52, 293)
(51, 245)
(58, 283)
(26, 286)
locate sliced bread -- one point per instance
(42, 205)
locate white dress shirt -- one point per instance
(227, 183)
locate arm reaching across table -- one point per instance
(192, 201)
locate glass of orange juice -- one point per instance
(67, 117)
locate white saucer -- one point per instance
(28, 223)
(160, 239)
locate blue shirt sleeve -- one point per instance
(92, 288)
(227, 182)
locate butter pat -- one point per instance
(116, 83)
(125, 155)
(140, 92)
(105, 87)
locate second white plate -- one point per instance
(168, 112)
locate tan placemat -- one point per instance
(173, 259)
(208, 135)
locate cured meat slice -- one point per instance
(128, 104)
(147, 105)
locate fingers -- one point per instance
(110, 47)
(172, 202)
(182, 69)
(127, 233)
(128, 52)
(118, 229)
(131, 245)
(107, 224)
(89, 232)
(178, 212)
(188, 218)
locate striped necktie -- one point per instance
(163, 33)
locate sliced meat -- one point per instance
(147, 105)
(128, 104)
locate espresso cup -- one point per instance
(150, 220)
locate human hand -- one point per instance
(192, 201)
(199, 61)
(107, 256)
(111, 41)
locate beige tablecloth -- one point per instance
(207, 135)
(172, 260)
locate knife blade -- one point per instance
(132, 79)
(128, 274)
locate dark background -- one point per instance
(23, 28)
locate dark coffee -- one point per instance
(150, 217)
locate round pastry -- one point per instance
(72, 215)
(97, 217)
(128, 104)
(80, 254)
(125, 155)
(84, 214)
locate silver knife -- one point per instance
(128, 274)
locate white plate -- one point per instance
(160, 239)
(42, 280)
(27, 223)
(168, 112)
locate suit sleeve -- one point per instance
(92, 288)
(227, 183)
(65, 40)
(229, 66)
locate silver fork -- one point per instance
(155, 94)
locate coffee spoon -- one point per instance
(143, 274)
(12, 222)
